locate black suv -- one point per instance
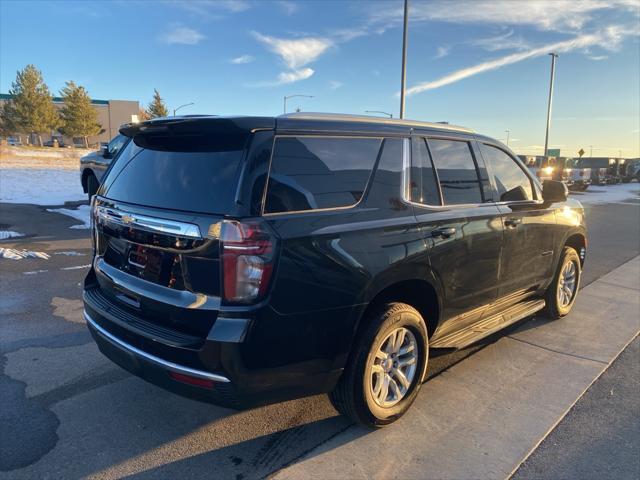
(247, 260)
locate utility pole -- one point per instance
(404, 57)
(507, 131)
(287, 97)
(553, 72)
(591, 150)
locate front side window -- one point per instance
(512, 184)
(457, 171)
(310, 173)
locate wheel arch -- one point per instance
(577, 241)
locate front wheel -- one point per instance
(386, 367)
(561, 294)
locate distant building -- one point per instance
(111, 114)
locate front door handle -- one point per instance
(443, 232)
(513, 222)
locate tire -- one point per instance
(92, 185)
(556, 305)
(354, 395)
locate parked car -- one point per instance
(55, 142)
(604, 170)
(247, 260)
(14, 141)
(93, 165)
(543, 167)
(632, 169)
(574, 175)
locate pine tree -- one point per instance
(79, 118)
(30, 109)
(157, 108)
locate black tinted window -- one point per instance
(456, 170)
(422, 181)
(203, 182)
(309, 173)
(511, 182)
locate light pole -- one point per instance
(507, 131)
(390, 115)
(591, 150)
(553, 72)
(185, 105)
(287, 97)
(403, 81)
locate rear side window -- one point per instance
(423, 187)
(457, 171)
(202, 181)
(512, 183)
(310, 173)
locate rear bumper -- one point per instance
(224, 368)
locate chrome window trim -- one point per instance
(152, 224)
(173, 367)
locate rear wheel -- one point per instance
(386, 368)
(92, 185)
(561, 294)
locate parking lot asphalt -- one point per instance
(68, 412)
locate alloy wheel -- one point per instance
(567, 284)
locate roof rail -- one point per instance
(370, 119)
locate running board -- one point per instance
(483, 328)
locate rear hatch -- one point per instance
(157, 221)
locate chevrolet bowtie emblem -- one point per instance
(127, 219)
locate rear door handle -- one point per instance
(513, 222)
(443, 232)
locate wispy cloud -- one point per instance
(211, 9)
(608, 38)
(559, 15)
(442, 51)
(335, 84)
(242, 59)
(295, 53)
(182, 35)
(505, 41)
(285, 78)
(597, 58)
(287, 6)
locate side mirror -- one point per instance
(554, 191)
(104, 151)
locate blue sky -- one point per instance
(479, 63)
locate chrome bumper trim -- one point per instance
(152, 358)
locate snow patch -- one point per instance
(77, 267)
(71, 254)
(610, 194)
(46, 186)
(15, 254)
(34, 272)
(82, 213)
(5, 234)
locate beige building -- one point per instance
(111, 114)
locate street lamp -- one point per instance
(403, 75)
(390, 115)
(553, 72)
(185, 105)
(507, 132)
(287, 97)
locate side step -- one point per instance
(487, 326)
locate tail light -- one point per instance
(248, 253)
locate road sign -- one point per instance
(553, 152)
(581, 152)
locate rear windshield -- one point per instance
(169, 174)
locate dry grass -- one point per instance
(35, 157)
